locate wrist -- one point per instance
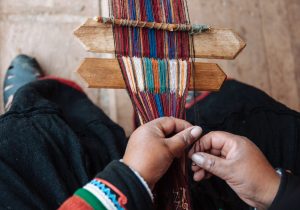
(270, 190)
(142, 180)
(140, 171)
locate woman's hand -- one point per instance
(240, 163)
(153, 146)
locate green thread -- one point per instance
(90, 199)
(162, 76)
(149, 75)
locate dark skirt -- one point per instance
(54, 140)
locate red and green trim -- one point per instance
(90, 199)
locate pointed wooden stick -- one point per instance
(215, 43)
(106, 73)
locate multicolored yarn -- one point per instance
(156, 66)
(155, 84)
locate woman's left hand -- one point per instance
(153, 146)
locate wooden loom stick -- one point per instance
(106, 73)
(215, 43)
(155, 25)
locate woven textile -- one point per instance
(156, 67)
(156, 64)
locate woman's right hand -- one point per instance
(240, 163)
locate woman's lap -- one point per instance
(54, 139)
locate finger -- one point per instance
(171, 125)
(217, 140)
(182, 140)
(197, 147)
(212, 164)
(215, 152)
(199, 175)
(195, 167)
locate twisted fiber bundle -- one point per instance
(156, 66)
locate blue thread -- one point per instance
(136, 46)
(131, 7)
(152, 43)
(134, 30)
(171, 43)
(108, 193)
(169, 14)
(151, 32)
(159, 105)
(149, 11)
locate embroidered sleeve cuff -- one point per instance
(128, 183)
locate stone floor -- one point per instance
(43, 29)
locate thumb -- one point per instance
(182, 140)
(213, 164)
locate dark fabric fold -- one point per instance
(52, 142)
(244, 110)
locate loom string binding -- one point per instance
(192, 29)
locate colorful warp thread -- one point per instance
(156, 66)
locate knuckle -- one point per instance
(211, 164)
(188, 138)
(185, 139)
(215, 135)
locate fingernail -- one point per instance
(198, 159)
(196, 132)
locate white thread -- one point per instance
(173, 75)
(129, 73)
(100, 196)
(185, 71)
(138, 67)
(182, 76)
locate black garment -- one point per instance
(54, 140)
(247, 111)
(288, 194)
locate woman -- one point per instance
(54, 142)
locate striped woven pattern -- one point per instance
(156, 64)
(99, 194)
